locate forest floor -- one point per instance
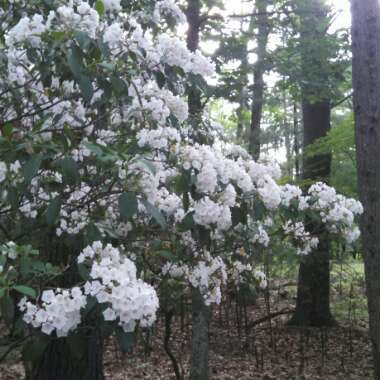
(272, 351)
(269, 350)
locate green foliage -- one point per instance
(128, 205)
(340, 141)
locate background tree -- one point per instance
(366, 84)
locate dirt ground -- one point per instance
(268, 351)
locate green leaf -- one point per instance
(155, 213)
(57, 35)
(99, 7)
(31, 167)
(7, 130)
(187, 223)
(119, 86)
(94, 148)
(148, 165)
(259, 210)
(92, 234)
(106, 65)
(70, 170)
(2, 292)
(125, 340)
(128, 205)
(84, 271)
(167, 255)
(183, 183)
(12, 197)
(25, 266)
(86, 88)
(74, 60)
(83, 40)
(25, 290)
(7, 309)
(53, 211)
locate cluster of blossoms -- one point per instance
(297, 231)
(167, 7)
(208, 275)
(60, 311)
(240, 273)
(112, 282)
(335, 210)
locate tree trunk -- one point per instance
(366, 84)
(313, 293)
(199, 342)
(200, 313)
(62, 361)
(263, 28)
(287, 135)
(296, 142)
(194, 24)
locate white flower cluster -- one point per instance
(336, 211)
(59, 311)
(289, 193)
(208, 275)
(27, 29)
(159, 138)
(3, 171)
(305, 243)
(208, 213)
(174, 52)
(169, 8)
(260, 235)
(237, 270)
(261, 278)
(84, 18)
(112, 5)
(112, 282)
(160, 103)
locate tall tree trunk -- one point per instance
(194, 25)
(263, 29)
(313, 292)
(366, 84)
(200, 312)
(296, 141)
(240, 116)
(287, 134)
(199, 342)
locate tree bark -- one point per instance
(263, 29)
(287, 136)
(200, 313)
(296, 141)
(199, 342)
(366, 85)
(313, 292)
(192, 40)
(60, 363)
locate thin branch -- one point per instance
(342, 100)
(269, 317)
